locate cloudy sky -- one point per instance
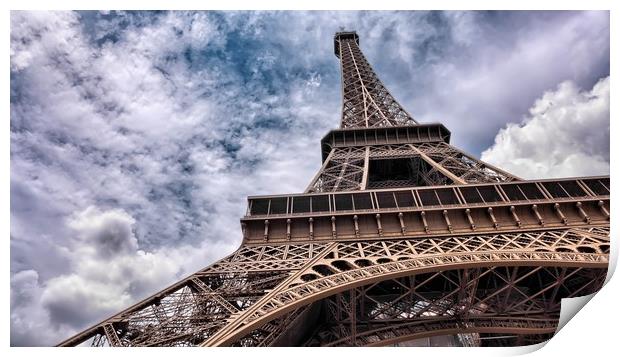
(135, 137)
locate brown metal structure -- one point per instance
(400, 236)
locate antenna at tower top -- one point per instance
(341, 28)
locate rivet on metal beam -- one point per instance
(559, 213)
(379, 227)
(541, 221)
(447, 219)
(582, 213)
(423, 215)
(605, 212)
(514, 215)
(311, 227)
(288, 229)
(471, 220)
(266, 234)
(357, 227)
(492, 216)
(403, 229)
(334, 227)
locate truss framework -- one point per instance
(236, 303)
(438, 163)
(467, 302)
(399, 236)
(366, 101)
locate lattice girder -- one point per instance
(366, 101)
(346, 168)
(423, 305)
(374, 261)
(397, 332)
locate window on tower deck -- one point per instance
(403, 172)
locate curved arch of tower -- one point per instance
(399, 239)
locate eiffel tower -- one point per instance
(399, 239)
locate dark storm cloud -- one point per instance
(136, 136)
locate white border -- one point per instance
(592, 331)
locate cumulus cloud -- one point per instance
(489, 67)
(108, 233)
(566, 134)
(108, 272)
(28, 315)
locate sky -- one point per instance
(136, 136)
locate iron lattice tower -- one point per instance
(400, 236)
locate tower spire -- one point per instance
(365, 100)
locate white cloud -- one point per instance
(98, 285)
(496, 67)
(28, 315)
(108, 233)
(566, 134)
